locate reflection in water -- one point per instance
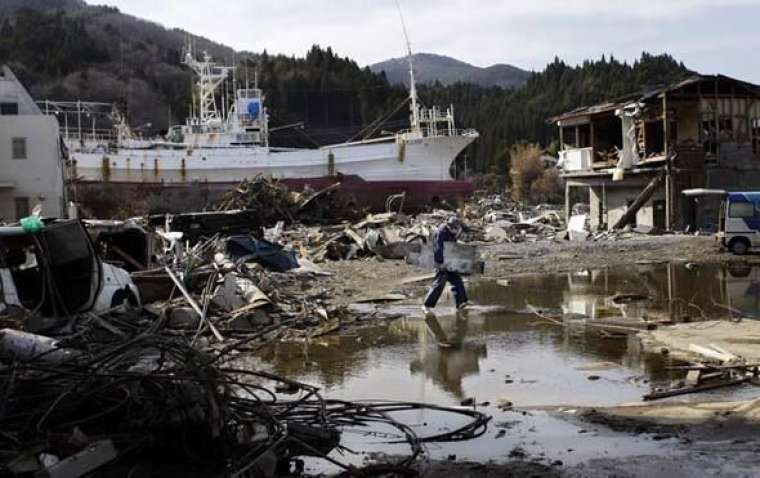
(679, 292)
(453, 359)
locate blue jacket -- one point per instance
(443, 235)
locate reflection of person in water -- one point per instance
(456, 339)
(454, 360)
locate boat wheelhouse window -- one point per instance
(19, 148)
(741, 209)
(249, 94)
(8, 109)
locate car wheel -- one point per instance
(123, 296)
(739, 246)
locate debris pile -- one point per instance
(107, 390)
(243, 287)
(122, 392)
(497, 219)
(274, 202)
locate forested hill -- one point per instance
(66, 49)
(429, 68)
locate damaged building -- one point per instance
(635, 155)
(30, 153)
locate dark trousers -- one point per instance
(457, 287)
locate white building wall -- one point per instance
(39, 177)
(617, 204)
(595, 207)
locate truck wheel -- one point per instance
(739, 246)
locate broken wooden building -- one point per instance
(635, 155)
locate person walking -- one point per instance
(447, 232)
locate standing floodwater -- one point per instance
(502, 352)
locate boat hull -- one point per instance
(123, 199)
(175, 180)
(422, 159)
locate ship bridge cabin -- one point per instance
(635, 155)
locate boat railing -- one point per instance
(100, 136)
(430, 132)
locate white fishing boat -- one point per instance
(228, 141)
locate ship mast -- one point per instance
(415, 119)
(210, 77)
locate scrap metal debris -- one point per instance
(106, 391)
(147, 395)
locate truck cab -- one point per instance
(739, 221)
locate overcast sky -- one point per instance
(710, 36)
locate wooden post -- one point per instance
(567, 202)
(603, 206)
(561, 137)
(668, 165)
(717, 120)
(700, 116)
(732, 113)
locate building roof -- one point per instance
(11, 90)
(652, 93)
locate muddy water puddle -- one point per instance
(500, 352)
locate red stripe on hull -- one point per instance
(105, 200)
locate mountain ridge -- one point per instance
(430, 68)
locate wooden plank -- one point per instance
(624, 322)
(723, 351)
(415, 279)
(692, 377)
(696, 389)
(710, 352)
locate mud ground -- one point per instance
(361, 279)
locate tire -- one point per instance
(122, 296)
(739, 246)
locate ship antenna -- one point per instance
(234, 75)
(412, 83)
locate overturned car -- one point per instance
(56, 272)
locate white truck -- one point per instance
(738, 218)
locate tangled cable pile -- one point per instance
(162, 401)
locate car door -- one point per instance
(73, 266)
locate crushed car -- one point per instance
(56, 272)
